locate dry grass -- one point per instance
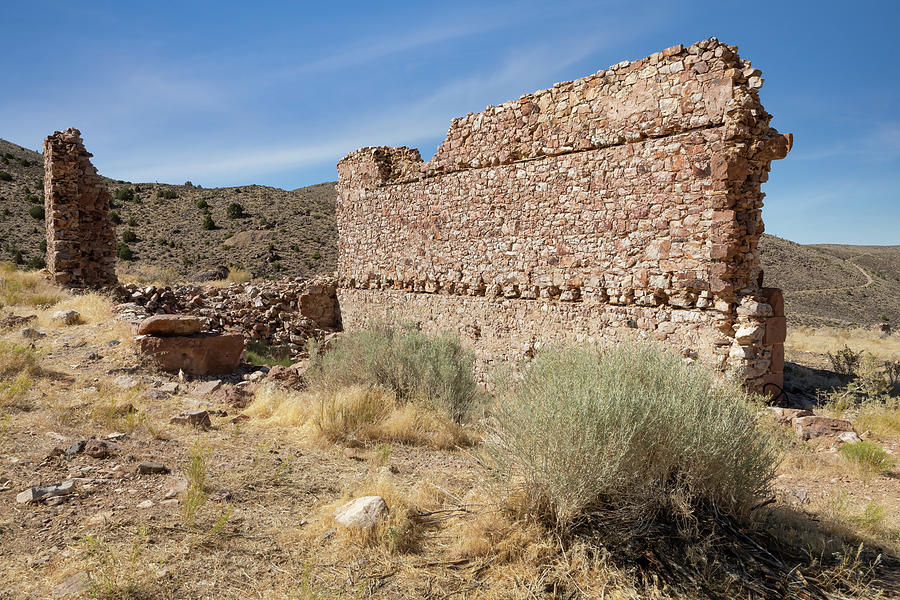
(355, 414)
(27, 289)
(146, 274)
(829, 339)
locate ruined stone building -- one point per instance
(622, 205)
(81, 243)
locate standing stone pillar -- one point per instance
(81, 241)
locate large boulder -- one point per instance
(171, 325)
(198, 354)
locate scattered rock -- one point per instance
(221, 496)
(152, 469)
(237, 397)
(291, 377)
(99, 519)
(126, 382)
(204, 388)
(786, 416)
(197, 418)
(362, 513)
(146, 504)
(11, 321)
(169, 325)
(75, 584)
(32, 334)
(67, 317)
(170, 387)
(93, 356)
(815, 426)
(169, 502)
(849, 437)
(175, 489)
(38, 493)
(240, 419)
(75, 448)
(98, 448)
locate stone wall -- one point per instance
(81, 244)
(626, 204)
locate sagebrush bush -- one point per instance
(234, 211)
(416, 367)
(621, 436)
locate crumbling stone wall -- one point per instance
(81, 246)
(620, 205)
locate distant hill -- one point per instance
(286, 233)
(293, 233)
(833, 284)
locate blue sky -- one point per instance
(232, 93)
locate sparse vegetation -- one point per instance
(129, 236)
(124, 252)
(166, 194)
(845, 361)
(867, 457)
(5, 176)
(433, 371)
(208, 223)
(36, 212)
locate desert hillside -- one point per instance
(835, 285)
(278, 232)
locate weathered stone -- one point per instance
(32, 334)
(361, 513)
(849, 437)
(198, 354)
(291, 377)
(596, 210)
(98, 448)
(152, 469)
(72, 585)
(81, 245)
(786, 416)
(165, 325)
(67, 317)
(204, 388)
(815, 426)
(35, 494)
(197, 418)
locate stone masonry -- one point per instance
(622, 205)
(81, 247)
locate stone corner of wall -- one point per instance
(379, 165)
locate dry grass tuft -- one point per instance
(356, 413)
(26, 288)
(146, 274)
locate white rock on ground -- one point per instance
(362, 513)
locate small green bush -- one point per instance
(202, 204)
(125, 194)
(4, 176)
(208, 222)
(166, 194)
(33, 198)
(434, 371)
(845, 361)
(114, 217)
(123, 251)
(867, 457)
(620, 437)
(36, 211)
(234, 211)
(35, 263)
(132, 222)
(129, 236)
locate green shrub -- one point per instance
(625, 435)
(208, 222)
(125, 194)
(123, 251)
(33, 198)
(434, 371)
(115, 218)
(166, 194)
(132, 222)
(4, 176)
(202, 204)
(845, 361)
(36, 211)
(129, 236)
(867, 457)
(35, 263)
(234, 211)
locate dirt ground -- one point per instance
(245, 509)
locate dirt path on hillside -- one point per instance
(868, 277)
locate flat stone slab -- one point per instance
(810, 427)
(198, 354)
(163, 325)
(362, 513)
